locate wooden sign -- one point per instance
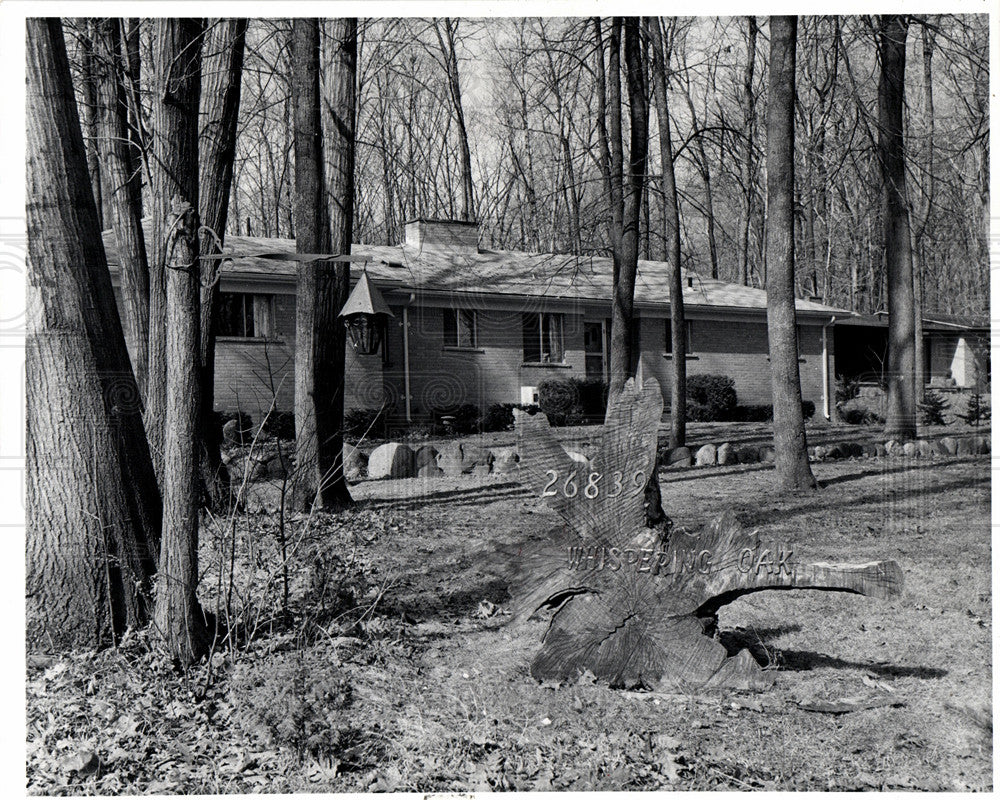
(632, 607)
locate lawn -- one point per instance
(393, 665)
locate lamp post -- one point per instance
(364, 315)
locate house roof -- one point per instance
(953, 323)
(505, 273)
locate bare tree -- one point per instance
(901, 407)
(222, 71)
(678, 391)
(791, 458)
(446, 31)
(177, 63)
(319, 292)
(123, 177)
(93, 508)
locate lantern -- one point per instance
(365, 314)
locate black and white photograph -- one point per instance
(512, 401)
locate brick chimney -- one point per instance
(442, 235)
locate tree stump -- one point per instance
(633, 606)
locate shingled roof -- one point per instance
(510, 273)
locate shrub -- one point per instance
(280, 424)
(368, 422)
(498, 417)
(464, 419)
(932, 408)
(976, 408)
(846, 389)
(715, 392)
(859, 412)
(698, 412)
(559, 400)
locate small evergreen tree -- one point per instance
(976, 408)
(932, 408)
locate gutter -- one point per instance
(826, 369)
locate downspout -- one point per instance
(826, 369)
(406, 356)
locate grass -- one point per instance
(394, 669)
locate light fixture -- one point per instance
(365, 314)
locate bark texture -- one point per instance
(222, 70)
(93, 508)
(177, 53)
(901, 406)
(791, 458)
(122, 171)
(316, 324)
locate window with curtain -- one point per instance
(245, 316)
(542, 338)
(459, 327)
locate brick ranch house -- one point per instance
(477, 326)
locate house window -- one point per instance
(244, 315)
(542, 336)
(459, 328)
(669, 348)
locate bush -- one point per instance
(464, 419)
(280, 424)
(559, 400)
(368, 422)
(498, 417)
(846, 389)
(717, 393)
(859, 412)
(977, 409)
(932, 408)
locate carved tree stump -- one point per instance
(631, 607)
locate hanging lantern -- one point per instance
(365, 314)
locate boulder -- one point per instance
(706, 456)
(852, 449)
(767, 455)
(880, 451)
(820, 451)
(232, 433)
(355, 463)
(481, 470)
(425, 455)
(835, 451)
(679, 457)
(965, 446)
(504, 459)
(725, 455)
(926, 449)
(868, 449)
(893, 448)
(391, 460)
(429, 471)
(452, 460)
(982, 446)
(910, 450)
(476, 454)
(950, 445)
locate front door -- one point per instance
(593, 350)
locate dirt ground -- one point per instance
(393, 666)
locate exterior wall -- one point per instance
(737, 348)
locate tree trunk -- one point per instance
(220, 103)
(88, 118)
(319, 288)
(749, 119)
(901, 407)
(93, 508)
(177, 60)
(339, 137)
(124, 181)
(791, 458)
(678, 391)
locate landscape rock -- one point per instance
(476, 454)
(950, 445)
(429, 471)
(427, 454)
(767, 455)
(880, 451)
(965, 446)
(355, 463)
(853, 449)
(926, 449)
(910, 449)
(232, 434)
(504, 459)
(982, 445)
(820, 451)
(452, 460)
(893, 448)
(481, 470)
(391, 460)
(679, 457)
(706, 456)
(725, 455)
(835, 451)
